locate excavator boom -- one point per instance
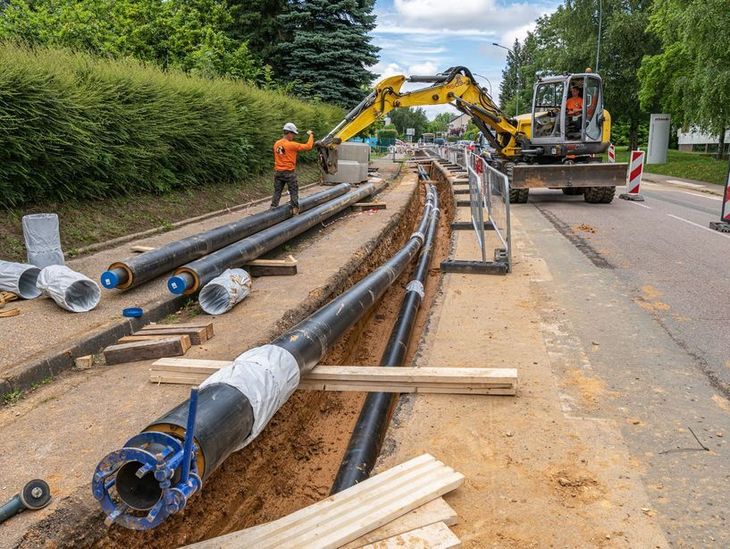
(455, 86)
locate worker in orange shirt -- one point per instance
(573, 112)
(285, 164)
(574, 104)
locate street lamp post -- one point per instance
(517, 81)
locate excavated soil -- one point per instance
(294, 462)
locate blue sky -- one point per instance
(428, 36)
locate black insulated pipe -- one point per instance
(193, 276)
(309, 340)
(226, 417)
(133, 271)
(369, 431)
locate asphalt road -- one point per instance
(665, 250)
(640, 317)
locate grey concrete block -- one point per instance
(359, 152)
(348, 171)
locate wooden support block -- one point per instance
(142, 249)
(432, 512)
(462, 191)
(207, 324)
(272, 267)
(84, 362)
(146, 350)
(199, 333)
(361, 206)
(433, 536)
(346, 516)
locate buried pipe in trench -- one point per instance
(193, 276)
(141, 484)
(367, 436)
(133, 271)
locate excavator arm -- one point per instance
(455, 86)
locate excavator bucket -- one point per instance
(327, 157)
(531, 176)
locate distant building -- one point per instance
(458, 124)
(695, 140)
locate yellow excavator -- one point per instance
(552, 146)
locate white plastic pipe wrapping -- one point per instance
(70, 290)
(267, 376)
(222, 293)
(42, 239)
(20, 279)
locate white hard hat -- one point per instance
(289, 127)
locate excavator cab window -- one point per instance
(546, 109)
(593, 109)
(574, 110)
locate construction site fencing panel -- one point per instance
(492, 196)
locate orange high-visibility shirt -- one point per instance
(285, 153)
(574, 104)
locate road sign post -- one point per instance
(724, 224)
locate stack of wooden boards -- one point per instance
(476, 381)
(401, 507)
(157, 341)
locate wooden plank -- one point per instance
(368, 374)
(432, 512)
(360, 206)
(207, 324)
(184, 339)
(433, 536)
(143, 350)
(273, 262)
(142, 249)
(197, 335)
(477, 381)
(351, 513)
(451, 389)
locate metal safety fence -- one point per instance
(489, 205)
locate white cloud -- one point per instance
(428, 67)
(468, 17)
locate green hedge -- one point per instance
(73, 126)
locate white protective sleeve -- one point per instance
(222, 293)
(20, 279)
(70, 290)
(42, 239)
(267, 376)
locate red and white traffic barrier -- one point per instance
(724, 224)
(612, 154)
(633, 179)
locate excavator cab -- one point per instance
(568, 115)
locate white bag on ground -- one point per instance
(222, 293)
(20, 279)
(70, 290)
(42, 239)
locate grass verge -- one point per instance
(685, 165)
(91, 221)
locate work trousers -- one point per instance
(288, 179)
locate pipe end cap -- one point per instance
(176, 285)
(109, 279)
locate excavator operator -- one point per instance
(574, 112)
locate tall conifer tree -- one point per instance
(326, 48)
